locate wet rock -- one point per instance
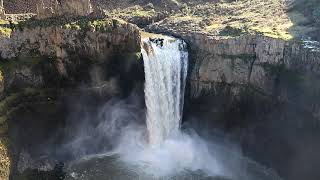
(26, 161)
(158, 41)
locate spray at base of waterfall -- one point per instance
(120, 124)
(180, 153)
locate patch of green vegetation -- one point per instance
(11, 64)
(4, 28)
(7, 103)
(143, 13)
(3, 22)
(138, 56)
(77, 23)
(237, 30)
(274, 33)
(135, 11)
(8, 106)
(13, 101)
(4, 31)
(231, 31)
(282, 72)
(247, 58)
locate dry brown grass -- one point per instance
(267, 17)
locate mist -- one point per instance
(117, 128)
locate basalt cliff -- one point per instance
(242, 66)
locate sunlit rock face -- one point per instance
(276, 68)
(1, 9)
(244, 60)
(64, 40)
(230, 66)
(57, 41)
(52, 8)
(69, 53)
(76, 7)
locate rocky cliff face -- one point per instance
(264, 91)
(92, 38)
(1, 9)
(273, 67)
(285, 70)
(247, 60)
(70, 45)
(19, 6)
(51, 8)
(98, 55)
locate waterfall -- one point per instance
(165, 65)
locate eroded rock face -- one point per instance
(76, 7)
(20, 6)
(69, 50)
(274, 67)
(280, 69)
(61, 41)
(1, 9)
(98, 56)
(246, 60)
(52, 8)
(262, 90)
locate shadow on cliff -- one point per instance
(280, 135)
(39, 111)
(304, 14)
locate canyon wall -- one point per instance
(284, 70)
(53, 8)
(69, 46)
(273, 67)
(95, 39)
(42, 59)
(262, 91)
(19, 6)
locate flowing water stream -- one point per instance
(166, 66)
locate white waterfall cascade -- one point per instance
(165, 65)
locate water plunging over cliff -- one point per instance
(165, 64)
(173, 154)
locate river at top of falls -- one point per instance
(165, 65)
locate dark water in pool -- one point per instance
(112, 168)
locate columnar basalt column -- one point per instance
(76, 7)
(1, 9)
(45, 10)
(64, 8)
